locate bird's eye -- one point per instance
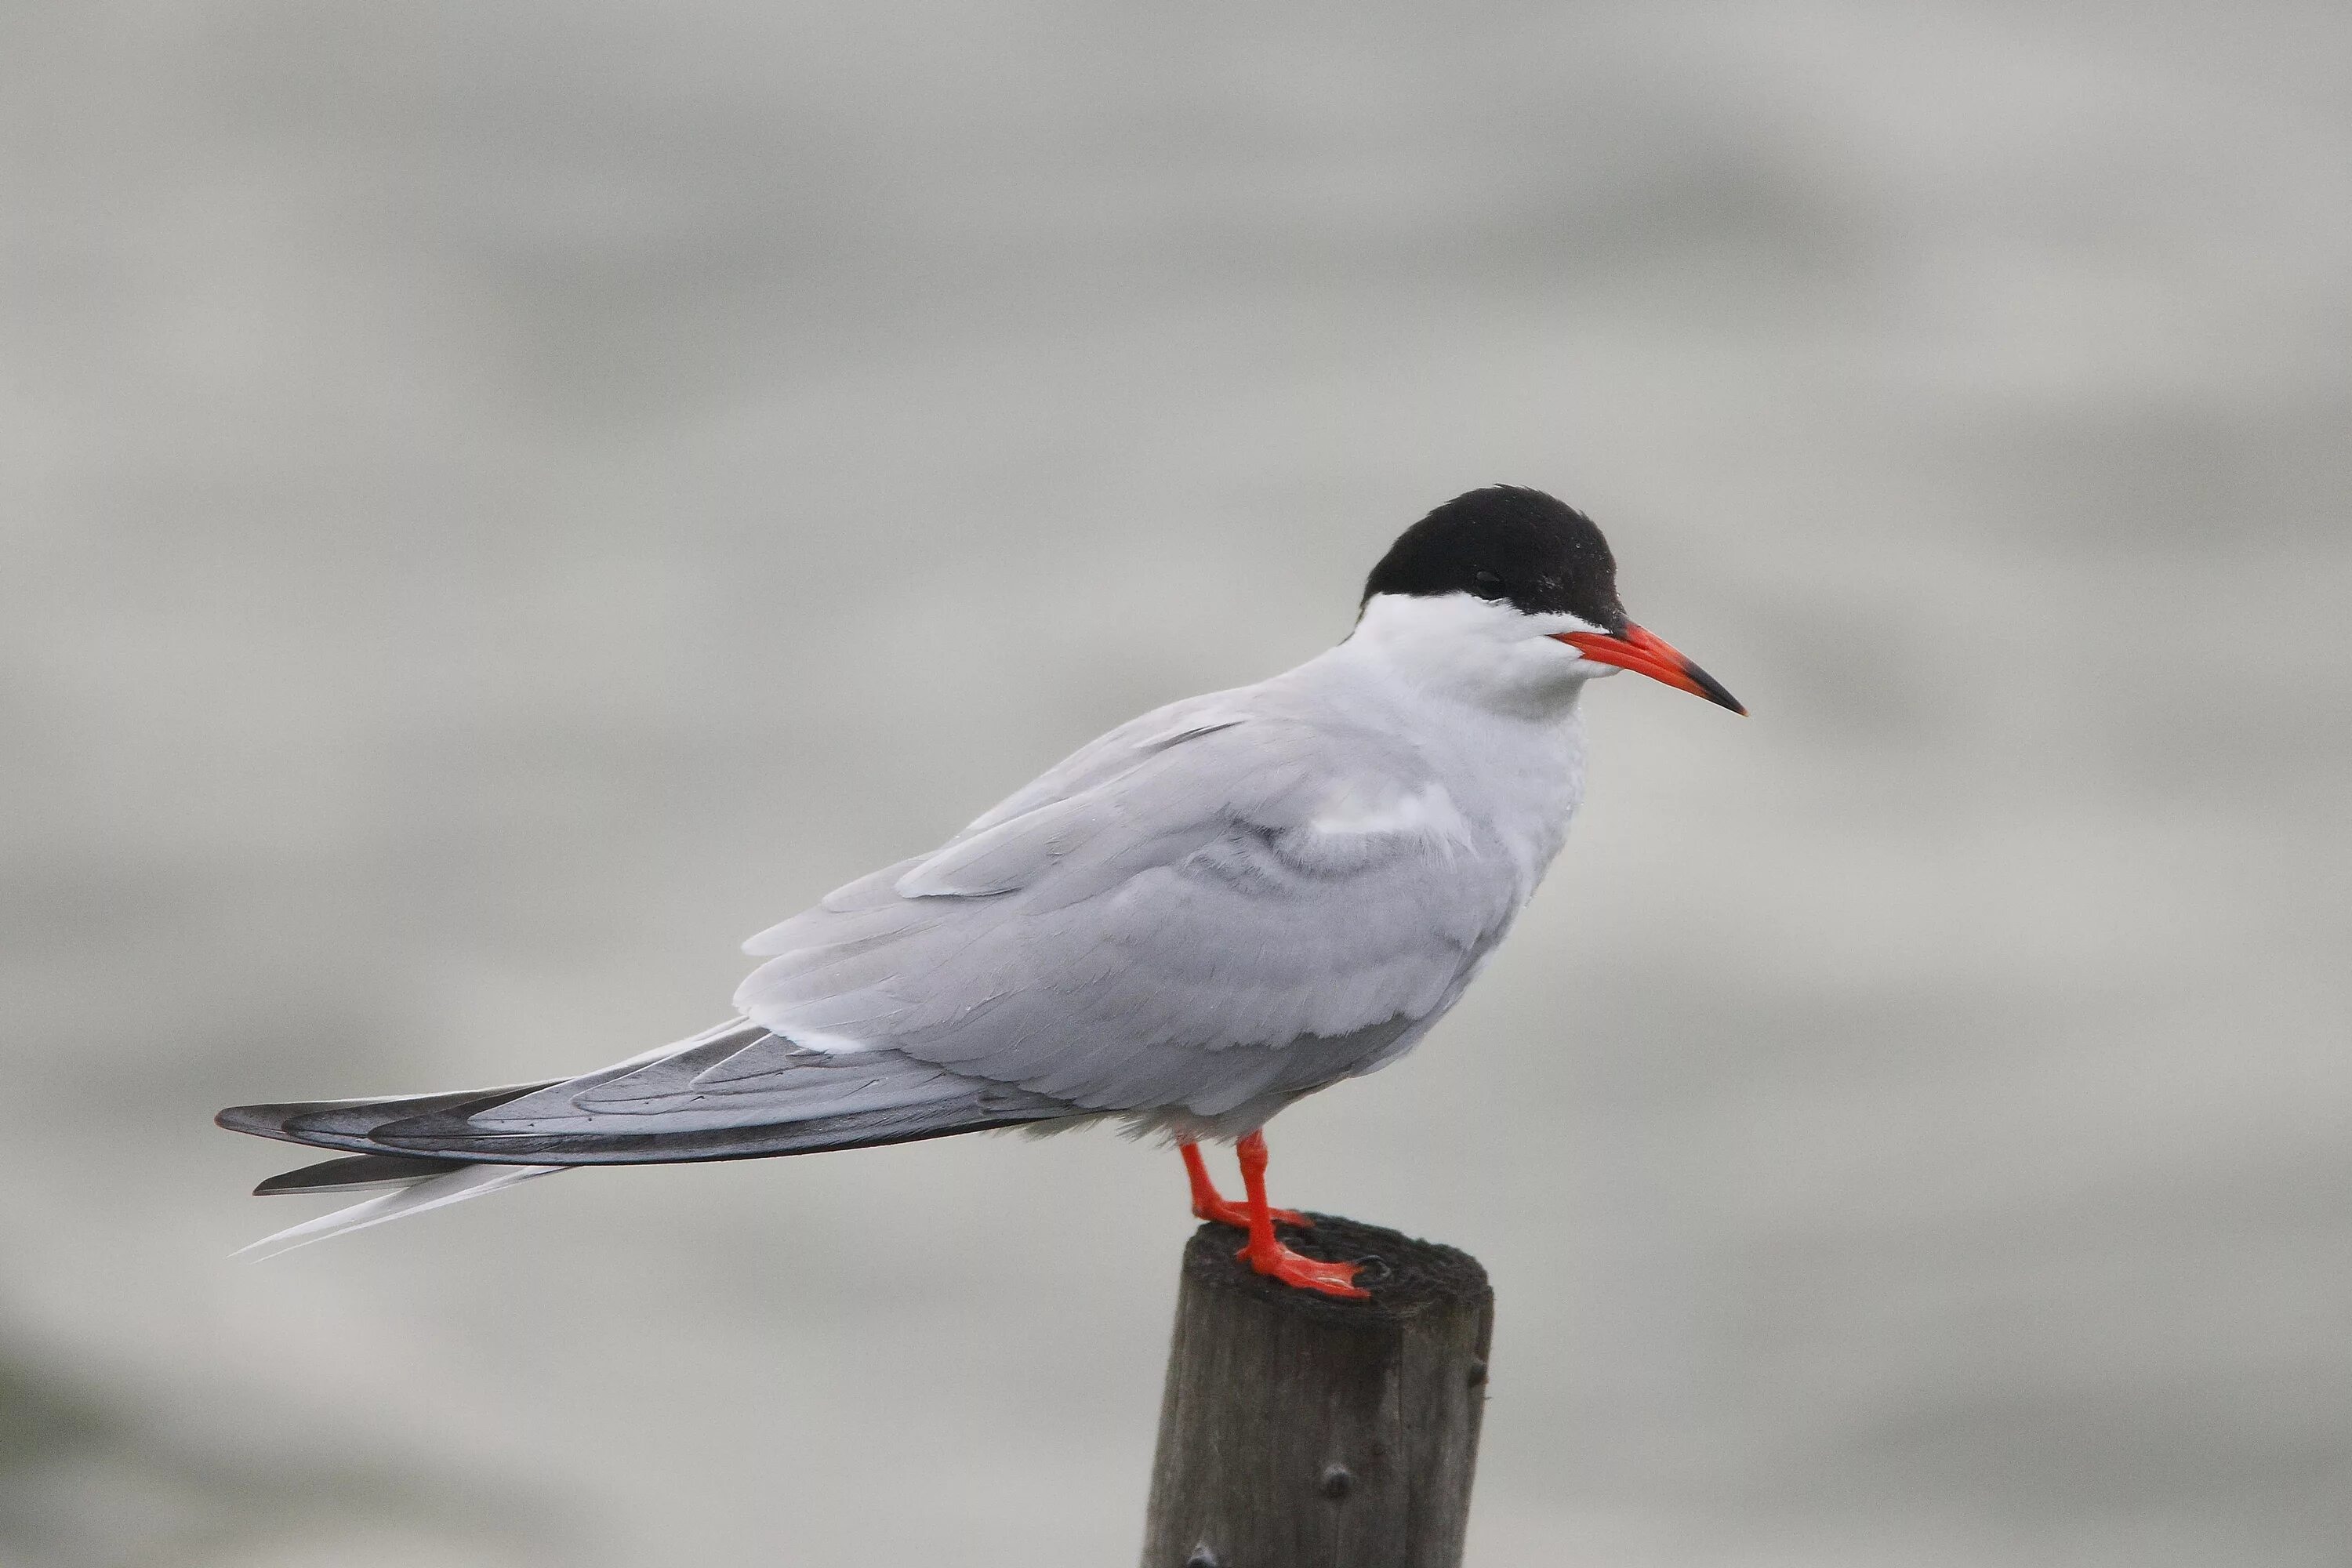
(1486, 584)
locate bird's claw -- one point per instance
(1306, 1273)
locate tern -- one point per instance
(1226, 904)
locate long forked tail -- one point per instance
(453, 1184)
(735, 1092)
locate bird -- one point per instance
(1211, 912)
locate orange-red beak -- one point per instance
(1645, 654)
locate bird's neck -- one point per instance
(1458, 650)
(1510, 756)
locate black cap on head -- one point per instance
(1507, 542)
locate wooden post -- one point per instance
(1300, 1430)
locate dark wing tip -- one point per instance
(356, 1170)
(338, 1123)
(262, 1121)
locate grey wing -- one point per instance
(835, 1077)
(1204, 918)
(733, 1093)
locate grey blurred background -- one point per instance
(505, 499)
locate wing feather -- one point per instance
(1213, 913)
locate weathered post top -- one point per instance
(1297, 1429)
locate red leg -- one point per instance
(1268, 1255)
(1211, 1204)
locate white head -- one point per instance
(1508, 598)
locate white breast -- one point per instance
(1500, 779)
